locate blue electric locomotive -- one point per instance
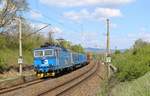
(51, 60)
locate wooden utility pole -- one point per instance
(20, 59)
(20, 46)
(108, 39)
(108, 58)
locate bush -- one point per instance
(3, 65)
(132, 63)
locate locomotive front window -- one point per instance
(38, 53)
(48, 52)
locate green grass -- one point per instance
(104, 89)
(137, 87)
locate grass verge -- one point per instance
(137, 87)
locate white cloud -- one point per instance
(143, 34)
(98, 13)
(90, 38)
(74, 3)
(72, 15)
(86, 38)
(106, 12)
(56, 30)
(35, 14)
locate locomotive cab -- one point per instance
(44, 60)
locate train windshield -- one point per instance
(49, 52)
(38, 53)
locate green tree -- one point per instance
(10, 10)
(139, 43)
(77, 48)
(65, 43)
(117, 51)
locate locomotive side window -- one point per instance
(48, 52)
(38, 53)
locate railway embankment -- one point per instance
(91, 85)
(16, 80)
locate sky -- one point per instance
(84, 21)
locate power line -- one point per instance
(36, 31)
(47, 24)
(51, 19)
(38, 21)
(42, 22)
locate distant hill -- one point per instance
(97, 50)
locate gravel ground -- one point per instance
(89, 87)
(14, 74)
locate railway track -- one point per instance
(66, 86)
(5, 90)
(51, 87)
